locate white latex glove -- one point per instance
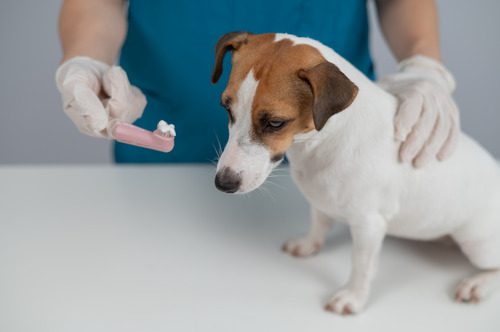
(95, 95)
(427, 121)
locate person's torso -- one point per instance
(168, 54)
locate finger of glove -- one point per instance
(78, 120)
(85, 128)
(419, 134)
(450, 143)
(454, 134)
(138, 105)
(435, 143)
(87, 111)
(78, 76)
(123, 103)
(409, 113)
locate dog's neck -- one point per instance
(372, 110)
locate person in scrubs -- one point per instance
(144, 60)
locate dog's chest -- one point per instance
(321, 185)
(318, 191)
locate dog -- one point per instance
(295, 96)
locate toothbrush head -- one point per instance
(165, 129)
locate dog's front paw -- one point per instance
(347, 302)
(302, 247)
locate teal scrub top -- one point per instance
(169, 54)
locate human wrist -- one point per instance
(429, 68)
(92, 65)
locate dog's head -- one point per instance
(276, 90)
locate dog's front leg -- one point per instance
(367, 236)
(314, 240)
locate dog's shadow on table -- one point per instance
(421, 259)
(270, 226)
(331, 266)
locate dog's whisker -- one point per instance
(267, 191)
(276, 185)
(216, 154)
(213, 161)
(277, 176)
(281, 173)
(260, 191)
(312, 139)
(218, 143)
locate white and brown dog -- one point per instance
(296, 96)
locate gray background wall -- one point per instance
(33, 128)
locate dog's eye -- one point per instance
(276, 123)
(273, 125)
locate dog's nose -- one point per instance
(227, 180)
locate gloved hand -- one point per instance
(95, 95)
(427, 121)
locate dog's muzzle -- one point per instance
(227, 180)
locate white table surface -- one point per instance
(108, 248)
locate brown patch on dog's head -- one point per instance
(298, 90)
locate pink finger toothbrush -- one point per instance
(162, 139)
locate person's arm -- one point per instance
(93, 28)
(427, 122)
(410, 27)
(95, 93)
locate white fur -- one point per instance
(252, 162)
(349, 172)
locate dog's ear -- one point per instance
(332, 91)
(229, 42)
